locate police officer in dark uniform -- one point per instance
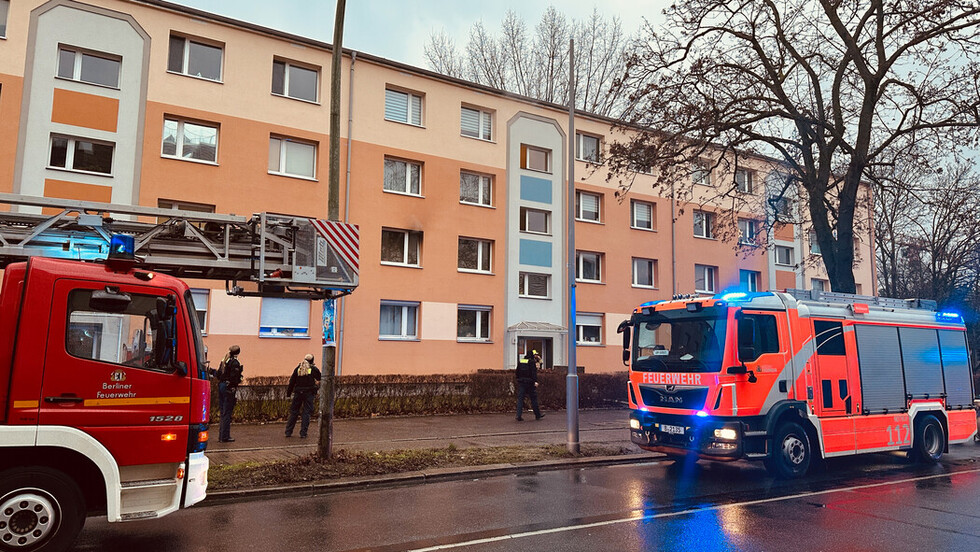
(527, 383)
(303, 385)
(229, 377)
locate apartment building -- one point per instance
(460, 191)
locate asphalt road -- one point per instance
(874, 502)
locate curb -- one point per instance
(421, 477)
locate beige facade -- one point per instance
(459, 190)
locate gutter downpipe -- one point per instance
(673, 242)
(350, 130)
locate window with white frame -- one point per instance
(535, 221)
(282, 317)
(644, 272)
(399, 320)
(701, 173)
(4, 8)
(533, 284)
(403, 177)
(476, 189)
(744, 180)
(200, 298)
(473, 323)
(704, 278)
(586, 148)
(704, 224)
(588, 266)
(403, 107)
(294, 81)
(81, 154)
(642, 215)
(475, 255)
(747, 231)
(748, 280)
(588, 328)
(817, 284)
(90, 67)
(587, 206)
(814, 244)
(194, 58)
(183, 139)
(401, 247)
(475, 123)
(784, 255)
(291, 157)
(535, 158)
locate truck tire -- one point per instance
(41, 509)
(928, 440)
(791, 454)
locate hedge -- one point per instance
(264, 398)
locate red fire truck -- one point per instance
(103, 373)
(791, 377)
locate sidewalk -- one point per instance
(267, 442)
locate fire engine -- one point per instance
(794, 377)
(104, 385)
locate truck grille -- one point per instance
(689, 398)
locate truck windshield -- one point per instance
(680, 341)
(199, 351)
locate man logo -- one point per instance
(670, 388)
(118, 375)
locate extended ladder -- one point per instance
(261, 255)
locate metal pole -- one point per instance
(341, 303)
(571, 381)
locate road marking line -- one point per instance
(640, 517)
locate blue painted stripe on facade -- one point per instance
(535, 189)
(535, 253)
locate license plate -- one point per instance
(672, 429)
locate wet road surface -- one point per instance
(873, 502)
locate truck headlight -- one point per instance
(634, 423)
(726, 433)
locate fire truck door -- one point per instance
(832, 387)
(105, 373)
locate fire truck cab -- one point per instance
(787, 377)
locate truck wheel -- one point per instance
(41, 509)
(928, 441)
(790, 456)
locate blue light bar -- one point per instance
(949, 316)
(122, 246)
(702, 414)
(736, 296)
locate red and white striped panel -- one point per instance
(344, 238)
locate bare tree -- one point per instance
(831, 89)
(487, 60)
(441, 54)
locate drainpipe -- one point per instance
(350, 130)
(673, 243)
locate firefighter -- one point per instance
(527, 383)
(303, 385)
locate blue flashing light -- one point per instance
(702, 414)
(650, 303)
(948, 316)
(122, 246)
(736, 296)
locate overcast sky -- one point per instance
(399, 29)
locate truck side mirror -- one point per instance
(626, 329)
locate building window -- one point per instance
(476, 189)
(587, 148)
(748, 280)
(403, 107)
(281, 317)
(294, 81)
(701, 173)
(784, 255)
(4, 8)
(200, 298)
(588, 328)
(289, 157)
(196, 59)
(782, 206)
(817, 284)
(399, 320)
(815, 245)
(475, 123)
(535, 159)
(642, 215)
(704, 278)
(532, 284)
(475, 254)
(746, 231)
(744, 180)
(588, 267)
(704, 224)
(401, 247)
(190, 141)
(473, 323)
(102, 69)
(587, 206)
(403, 177)
(80, 154)
(644, 272)
(535, 221)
